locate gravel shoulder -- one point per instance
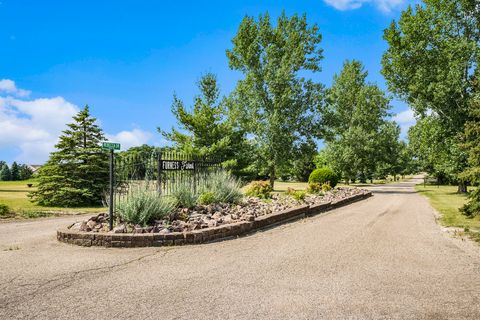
(381, 258)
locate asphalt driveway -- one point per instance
(381, 258)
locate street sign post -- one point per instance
(112, 146)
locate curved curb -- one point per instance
(130, 240)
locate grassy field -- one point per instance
(447, 202)
(14, 195)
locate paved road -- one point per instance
(382, 258)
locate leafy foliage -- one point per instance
(323, 175)
(314, 187)
(5, 210)
(142, 206)
(209, 130)
(326, 187)
(273, 102)
(259, 189)
(77, 173)
(359, 137)
(432, 63)
(472, 145)
(206, 198)
(298, 195)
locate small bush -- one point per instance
(143, 206)
(259, 189)
(5, 210)
(299, 195)
(225, 187)
(326, 187)
(206, 198)
(184, 196)
(314, 187)
(323, 175)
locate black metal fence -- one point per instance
(163, 172)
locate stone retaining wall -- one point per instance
(199, 236)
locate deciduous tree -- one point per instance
(430, 63)
(274, 101)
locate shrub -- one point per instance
(323, 175)
(299, 195)
(326, 187)
(4, 210)
(314, 187)
(259, 189)
(225, 187)
(143, 206)
(206, 198)
(184, 196)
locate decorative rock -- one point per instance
(91, 224)
(83, 226)
(119, 229)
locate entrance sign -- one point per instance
(110, 145)
(177, 165)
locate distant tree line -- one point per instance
(15, 172)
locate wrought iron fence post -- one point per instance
(159, 173)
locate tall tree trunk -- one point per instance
(462, 187)
(272, 175)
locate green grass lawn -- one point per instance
(447, 201)
(14, 195)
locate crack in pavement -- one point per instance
(67, 279)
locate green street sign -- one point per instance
(111, 145)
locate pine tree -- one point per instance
(15, 171)
(25, 172)
(5, 173)
(77, 173)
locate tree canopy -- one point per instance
(206, 129)
(431, 62)
(359, 137)
(274, 101)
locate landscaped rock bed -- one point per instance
(214, 215)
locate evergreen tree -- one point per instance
(5, 173)
(207, 128)
(77, 173)
(25, 172)
(15, 171)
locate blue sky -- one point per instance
(127, 58)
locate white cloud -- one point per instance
(129, 139)
(32, 126)
(8, 86)
(405, 120)
(382, 5)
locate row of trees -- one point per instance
(270, 124)
(15, 172)
(432, 63)
(268, 127)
